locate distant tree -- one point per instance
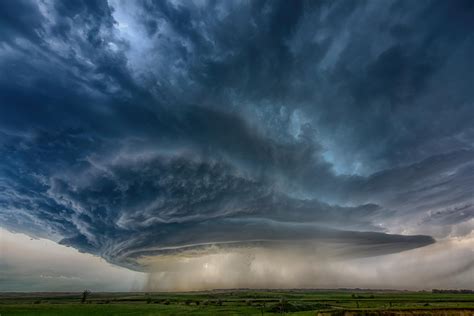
(85, 295)
(453, 291)
(282, 304)
(262, 307)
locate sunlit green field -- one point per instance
(297, 302)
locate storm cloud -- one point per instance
(138, 129)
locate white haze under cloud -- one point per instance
(39, 264)
(446, 264)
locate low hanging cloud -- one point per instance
(132, 130)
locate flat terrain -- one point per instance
(240, 302)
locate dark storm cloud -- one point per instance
(127, 127)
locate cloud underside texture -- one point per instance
(130, 129)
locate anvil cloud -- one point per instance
(140, 129)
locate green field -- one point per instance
(239, 302)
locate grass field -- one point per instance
(239, 302)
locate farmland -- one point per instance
(239, 302)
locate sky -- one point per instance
(185, 145)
